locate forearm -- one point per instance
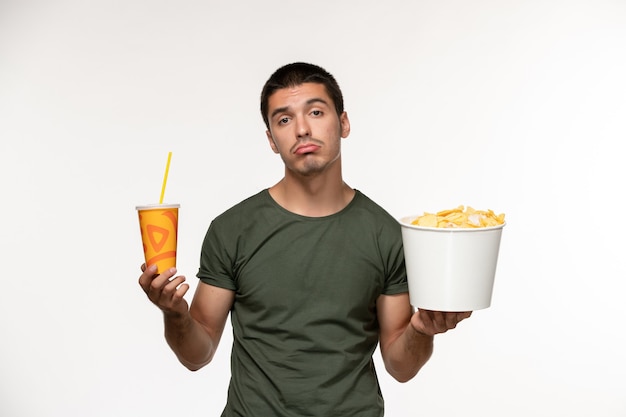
(191, 343)
(407, 354)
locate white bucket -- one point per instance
(450, 269)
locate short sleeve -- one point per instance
(396, 279)
(215, 261)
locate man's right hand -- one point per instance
(165, 290)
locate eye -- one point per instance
(316, 113)
(283, 120)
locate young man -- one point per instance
(311, 271)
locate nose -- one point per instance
(302, 127)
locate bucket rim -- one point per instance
(406, 223)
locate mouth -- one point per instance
(306, 149)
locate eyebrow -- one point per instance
(308, 102)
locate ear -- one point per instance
(271, 141)
(345, 124)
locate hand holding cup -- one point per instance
(165, 290)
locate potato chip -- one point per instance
(460, 217)
(427, 220)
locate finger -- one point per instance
(460, 316)
(439, 320)
(153, 285)
(147, 276)
(180, 292)
(172, 294)
(435, 322)
(425, 318)
(170, 288)
(451, 320)
(160, 281)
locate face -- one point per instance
(304, 128)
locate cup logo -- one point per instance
(157, 236)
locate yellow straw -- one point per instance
(167, 170)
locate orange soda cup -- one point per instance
(159, 234)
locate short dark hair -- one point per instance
(295, 74)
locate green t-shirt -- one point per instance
(304, 316)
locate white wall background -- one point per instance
(518, 106)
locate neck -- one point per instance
(313, 196)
